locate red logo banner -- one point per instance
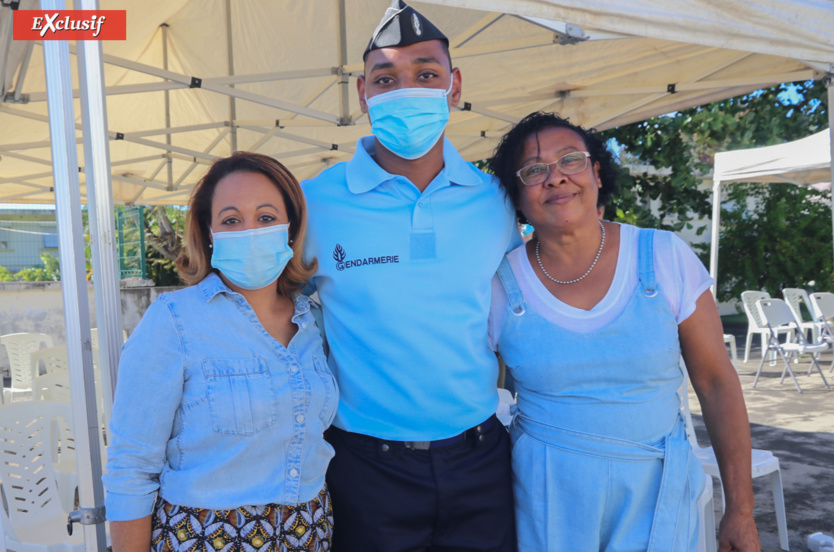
(70, 25)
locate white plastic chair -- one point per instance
(505, 404)
(730, 341)
(822, 307)
(755, 324)
(776, 313)
(51, 359)
(19, 347)
(706, 507)
(795, 297)
(55, 387)
(33, 518)
(763, 463)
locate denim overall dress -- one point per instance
(600, 455)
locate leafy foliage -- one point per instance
(782, 237)
(776, 236)
(164, 230)
(49, 272)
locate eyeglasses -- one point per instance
(536, 173)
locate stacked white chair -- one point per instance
(755, 324)
(19, 348)
(35, 520)
(776, 313)
(764, 463)
(822, 307)
(795, 298)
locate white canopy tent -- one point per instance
(197, 79)
(279, 77)
(803, 162)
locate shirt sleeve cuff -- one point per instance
(127, 507)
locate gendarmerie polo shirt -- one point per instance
(404, 280)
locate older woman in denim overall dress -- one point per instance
(591, 318)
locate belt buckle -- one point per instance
(418, 445)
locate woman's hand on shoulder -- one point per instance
(738, 532)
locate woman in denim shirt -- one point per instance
(223, 391)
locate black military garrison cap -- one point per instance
(401, 26)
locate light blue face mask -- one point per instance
(409, 121)
(252, 259)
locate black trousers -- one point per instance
(390, 498)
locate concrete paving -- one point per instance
(799, 430)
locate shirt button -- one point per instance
(304, 325)
(293, 368)
(385, 447)
(300, 418)
(420, 204)
(293, 472)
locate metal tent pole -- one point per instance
(76, 310)
(103, 241)
(713, 248)
(169, 161)
(830, 83)
(231, 62)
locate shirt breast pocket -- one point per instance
(241, 396)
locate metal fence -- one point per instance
(130, 227)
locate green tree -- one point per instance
(779, 236)
(685, 142)
(5, 275)
(52, 266)
(164, 230)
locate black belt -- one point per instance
(474, 433)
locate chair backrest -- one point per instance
(19, 347)
(26, 474)
(53, 359)
(748, 300)
(795, 297)
(822, 305)
(53, 386)
(684, 393)
(775, 312)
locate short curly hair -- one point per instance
(504, 162)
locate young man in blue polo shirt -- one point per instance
(408, 236)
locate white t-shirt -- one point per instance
(680, 274)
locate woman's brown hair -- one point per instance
(194, 263)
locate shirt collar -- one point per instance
(212, 285)
(364, 174)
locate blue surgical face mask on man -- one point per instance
(252, 259)
(409, 121)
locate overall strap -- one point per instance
(516, 299)
(645, 256)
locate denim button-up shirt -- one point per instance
(213, 412)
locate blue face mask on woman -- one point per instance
(409, 121)
(252, 259)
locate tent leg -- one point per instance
(713, 248)
(830, 82)
(76, 308)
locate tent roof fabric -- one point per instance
(601, 64)
(803, 162)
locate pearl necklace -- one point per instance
(593, 264)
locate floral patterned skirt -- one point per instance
(305, 527)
